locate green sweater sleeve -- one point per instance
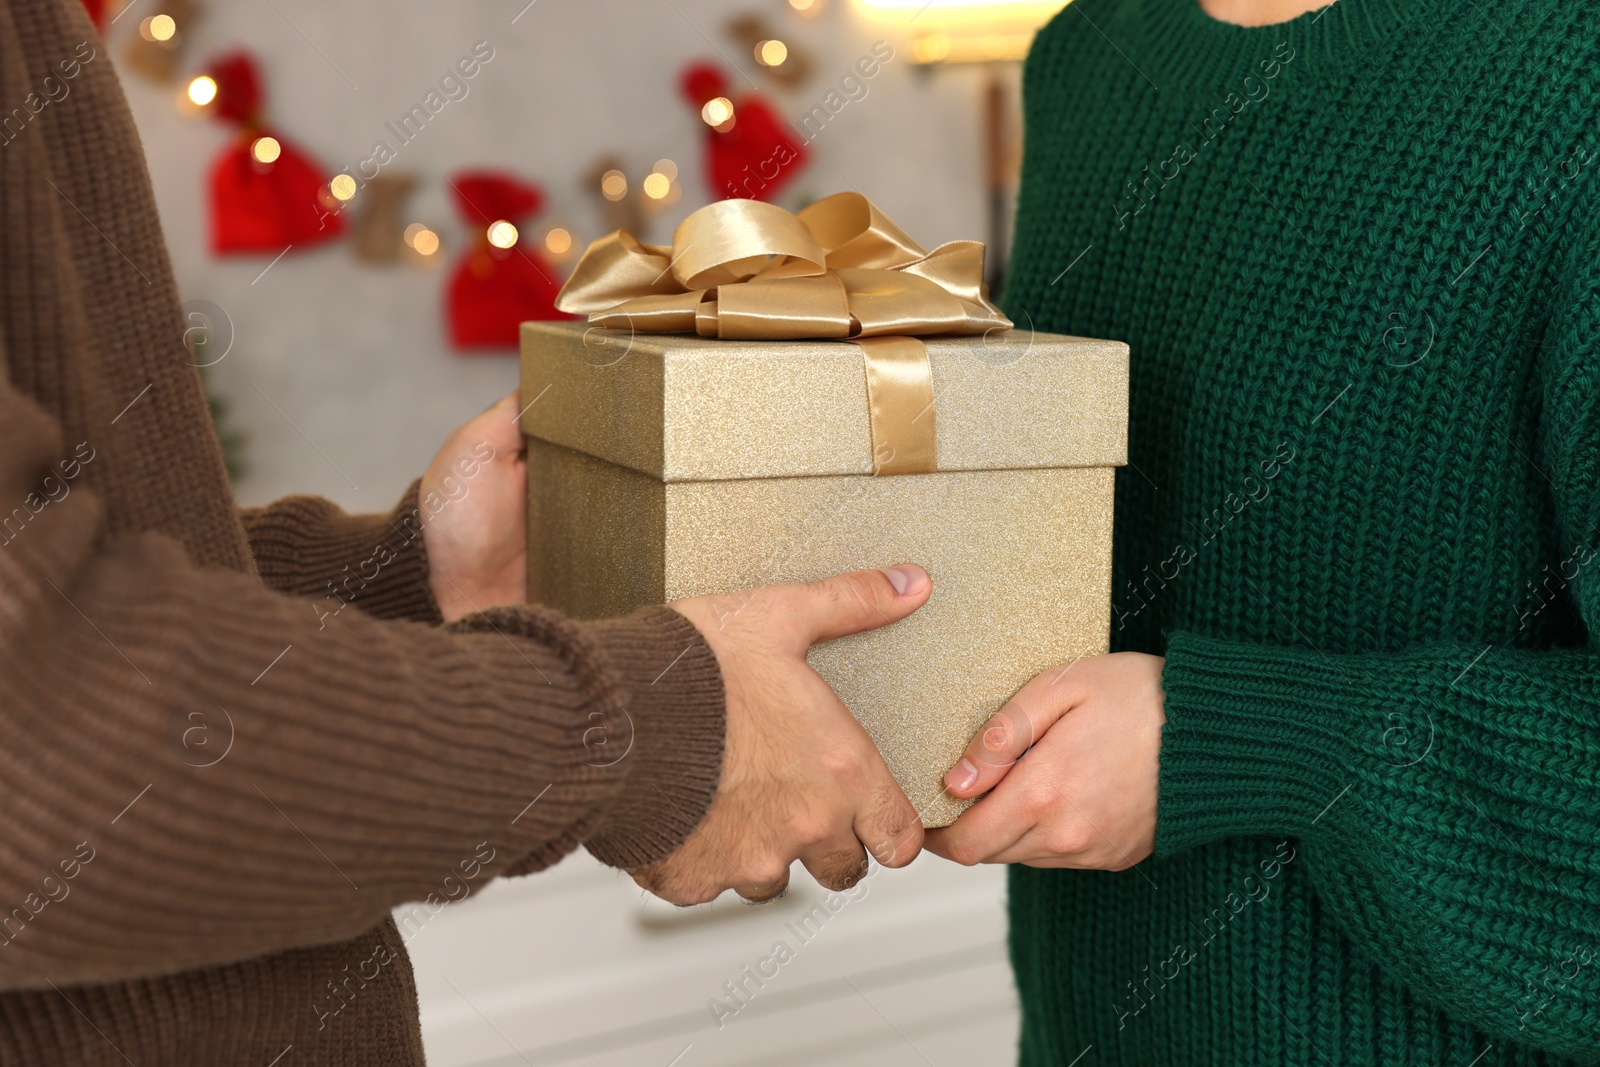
(1448, 795)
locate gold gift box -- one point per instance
(663, 466)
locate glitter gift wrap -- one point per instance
(663, 466)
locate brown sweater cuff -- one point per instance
(670, 688)
(652, 728)
(307, 546)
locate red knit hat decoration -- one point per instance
(750, 152)
(500, 282)
(266, 193)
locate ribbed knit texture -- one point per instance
(234, 743)
(1361, 519)
(307, 546)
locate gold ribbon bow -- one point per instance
(747, 270)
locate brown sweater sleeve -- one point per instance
(228, 774)
(308, 546)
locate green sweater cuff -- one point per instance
(1247, 748)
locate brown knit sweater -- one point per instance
(215, 789)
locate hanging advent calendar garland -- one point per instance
(749, 151)
(266, 193)
(500, 282)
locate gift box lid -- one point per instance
(686, 408)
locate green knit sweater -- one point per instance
(1357, 258)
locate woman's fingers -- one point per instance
(985, 830)
(1085, 793)
(1042, 847)
(1010, 732)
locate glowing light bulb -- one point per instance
(558, 241)
(266, 149)
(666, 168)
(343, 186)
(203, 90)
(772, 53)
(426, 241)
(158, 28)
(502, 234)
(614, 185)
(931, 49)
(656, 186)
(717, 111)
(803, 5)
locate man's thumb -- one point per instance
(860, 600)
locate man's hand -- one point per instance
(1085, 796)
(474, 500)
(800, 778)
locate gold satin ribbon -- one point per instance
(900, 405)
(747, 270)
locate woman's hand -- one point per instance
(475, 499)
(1085, 796)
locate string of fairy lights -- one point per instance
(658, 187)
(160, 28)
